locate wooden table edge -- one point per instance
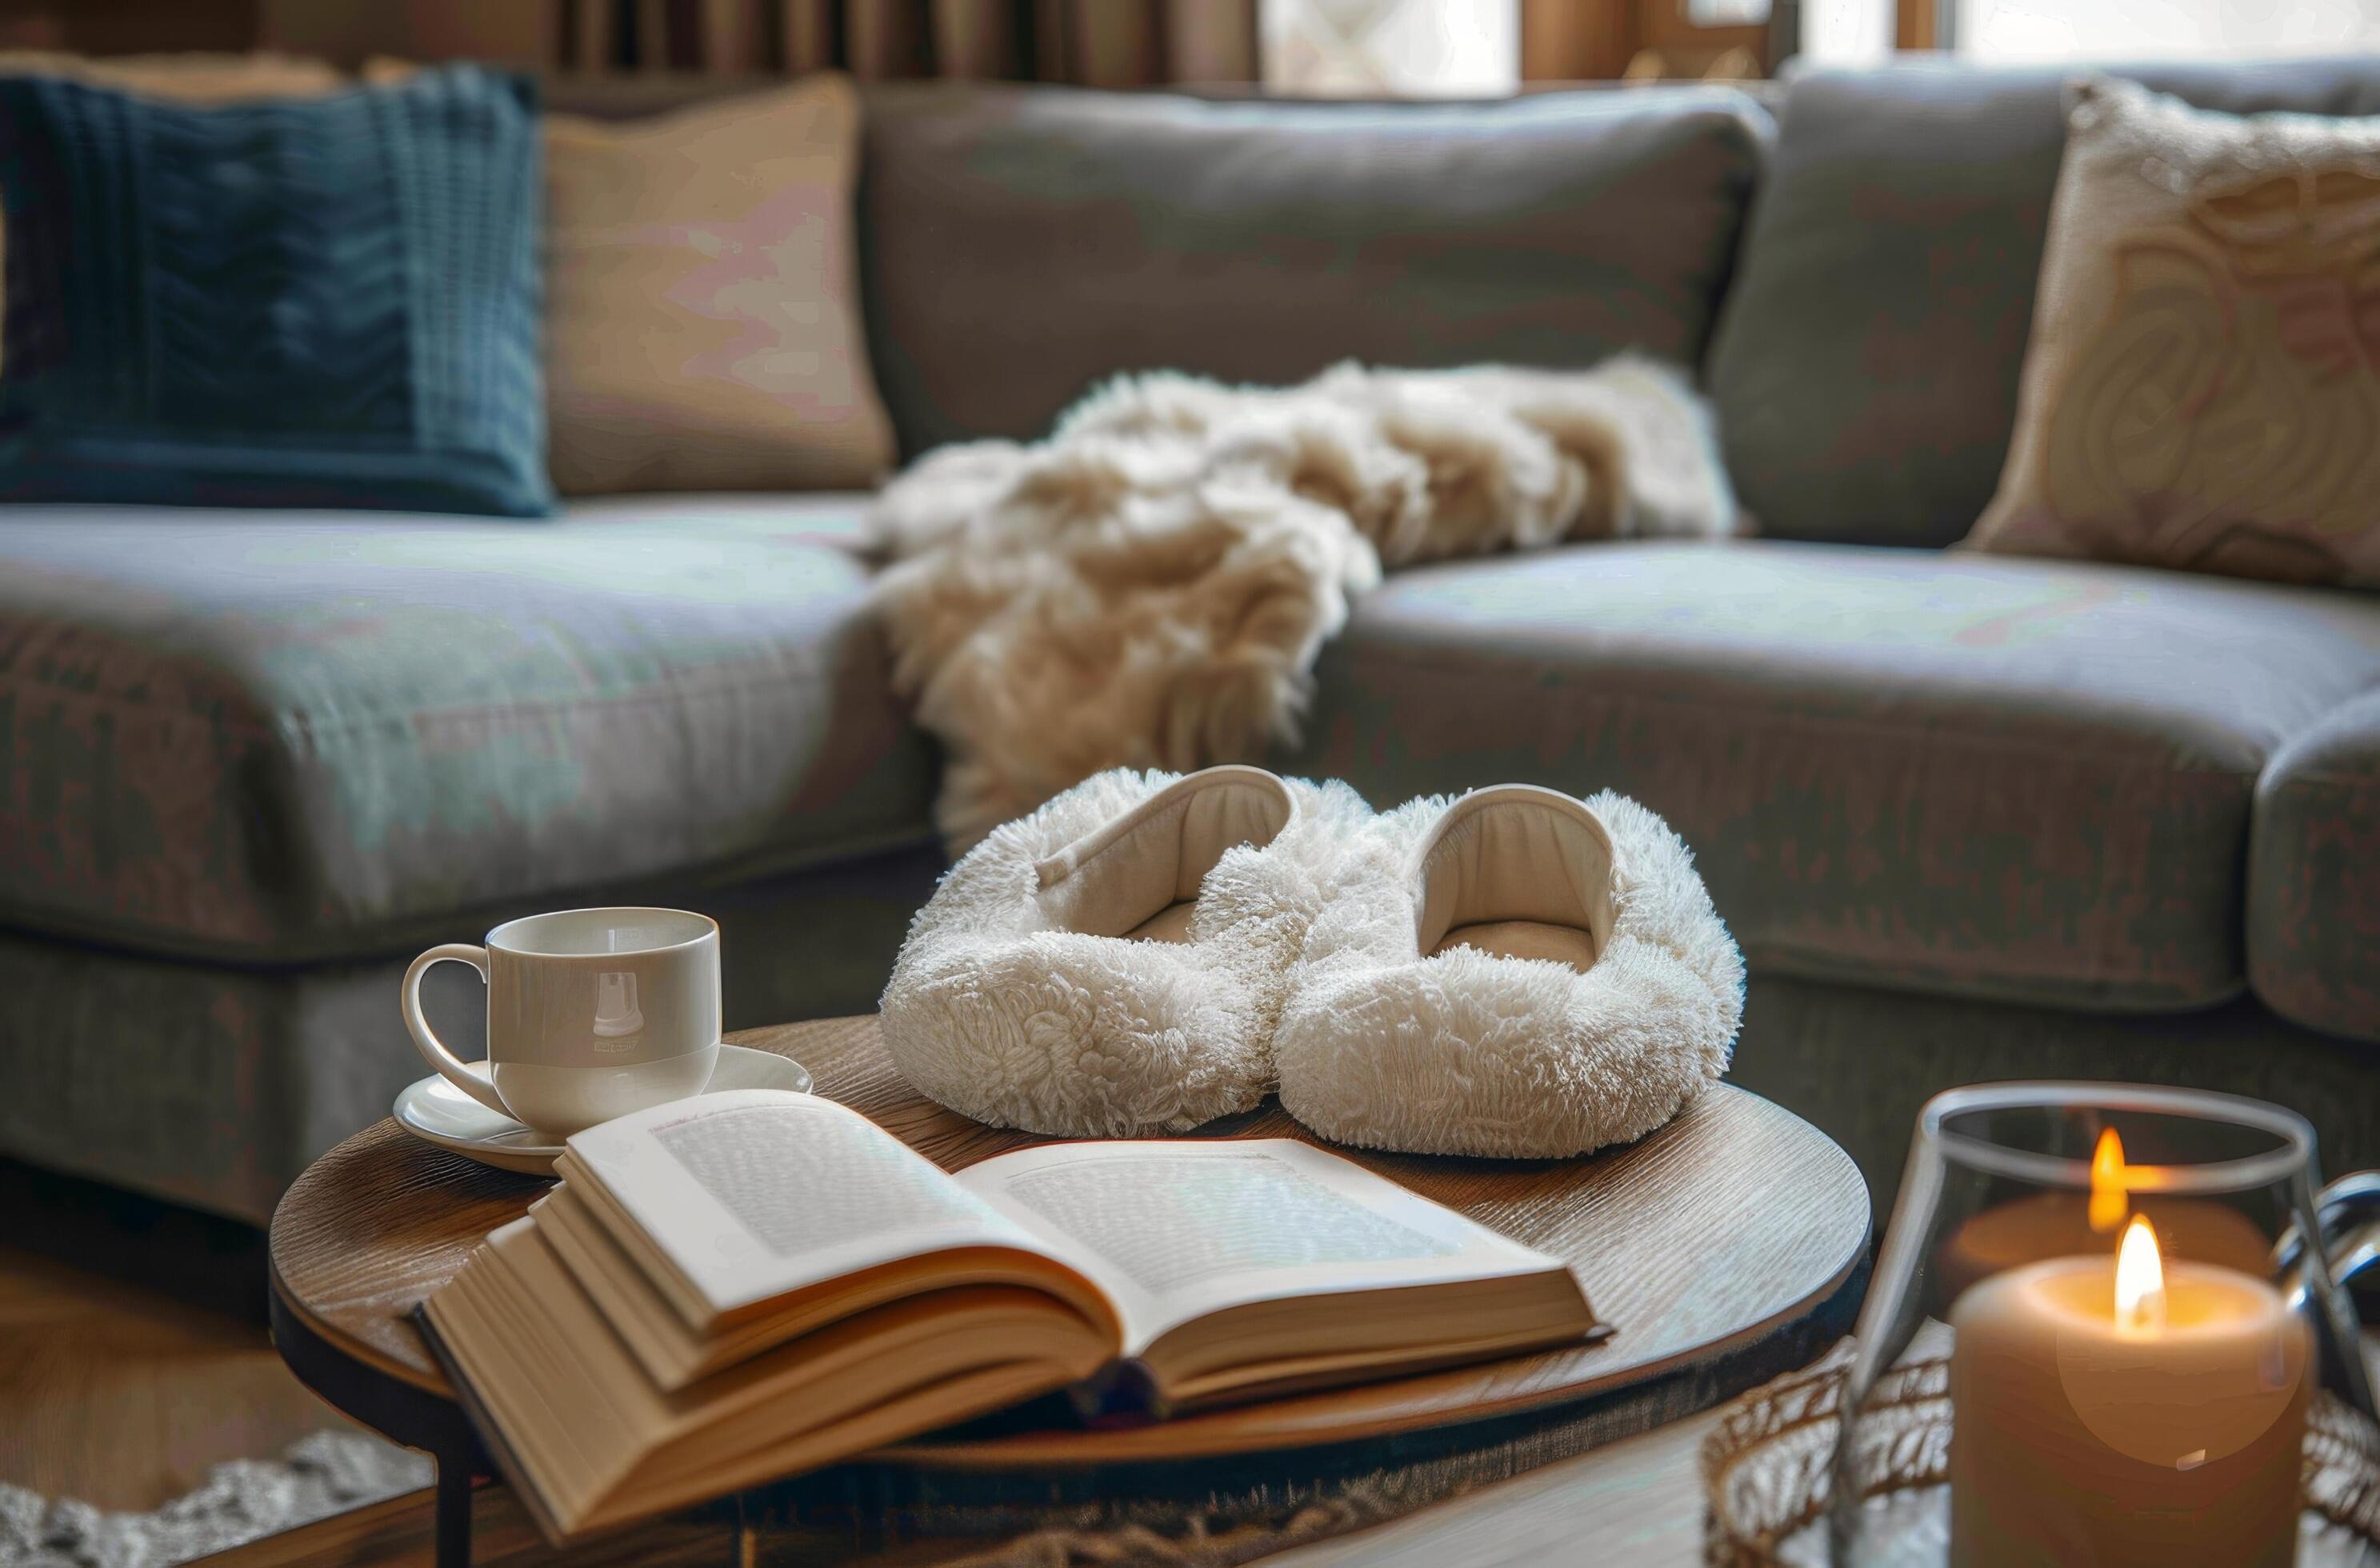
(415, 1403)
(286, 1308)
(339, 1366)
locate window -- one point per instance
(1392, 48)
(2143, 30)
(1846, 32)
(1861, 31)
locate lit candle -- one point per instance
(2060, 1224)
(2117, 1411)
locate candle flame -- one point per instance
(2109, 1202)
(2140, 1280)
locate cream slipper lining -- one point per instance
(1516, 974)
(1115, 963)
(1137, 876)
(1518, 872)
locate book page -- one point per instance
(1175, 1230)
(751, 1193)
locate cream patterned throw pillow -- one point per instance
(2202, 386)
(702, 318)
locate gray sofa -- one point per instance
(1969, 815)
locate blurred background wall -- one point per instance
(1365, 47)
(1362, 47)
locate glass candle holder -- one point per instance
(2130, 1299)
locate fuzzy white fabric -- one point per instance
(1468, 1052)
(1148, 587)
(997, 1015)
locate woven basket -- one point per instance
(1766, 1469)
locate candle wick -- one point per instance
(2146, 1316)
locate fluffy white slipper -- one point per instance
(1115, 962)
(1518, 974)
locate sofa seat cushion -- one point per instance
(1997, 777)
(2313, 875)
(293, 735)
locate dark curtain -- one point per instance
(1092, 42)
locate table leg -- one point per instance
(454, 1512)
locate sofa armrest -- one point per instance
(2313, 875)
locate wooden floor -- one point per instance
(133, 1353)
(1636, 1502)
(124, 1398)
(134, 1357)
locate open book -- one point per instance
(730, 1289)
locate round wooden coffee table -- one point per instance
(1725, 1248)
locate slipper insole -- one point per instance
(1169, 924)
(1524, 939)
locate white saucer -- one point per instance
(436, 1112)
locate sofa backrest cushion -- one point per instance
(330, 301)
(1021, 244)
(1865, 368)
(702, 323)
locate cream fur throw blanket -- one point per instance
(1148, 587)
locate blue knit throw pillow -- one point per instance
(323, 302)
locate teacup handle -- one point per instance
(425, 1039)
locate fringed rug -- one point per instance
(240, 1500)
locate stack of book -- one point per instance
(730, 1289)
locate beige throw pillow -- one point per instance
(702, 325)
(2202, 386)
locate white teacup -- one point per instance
(592, 1014)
